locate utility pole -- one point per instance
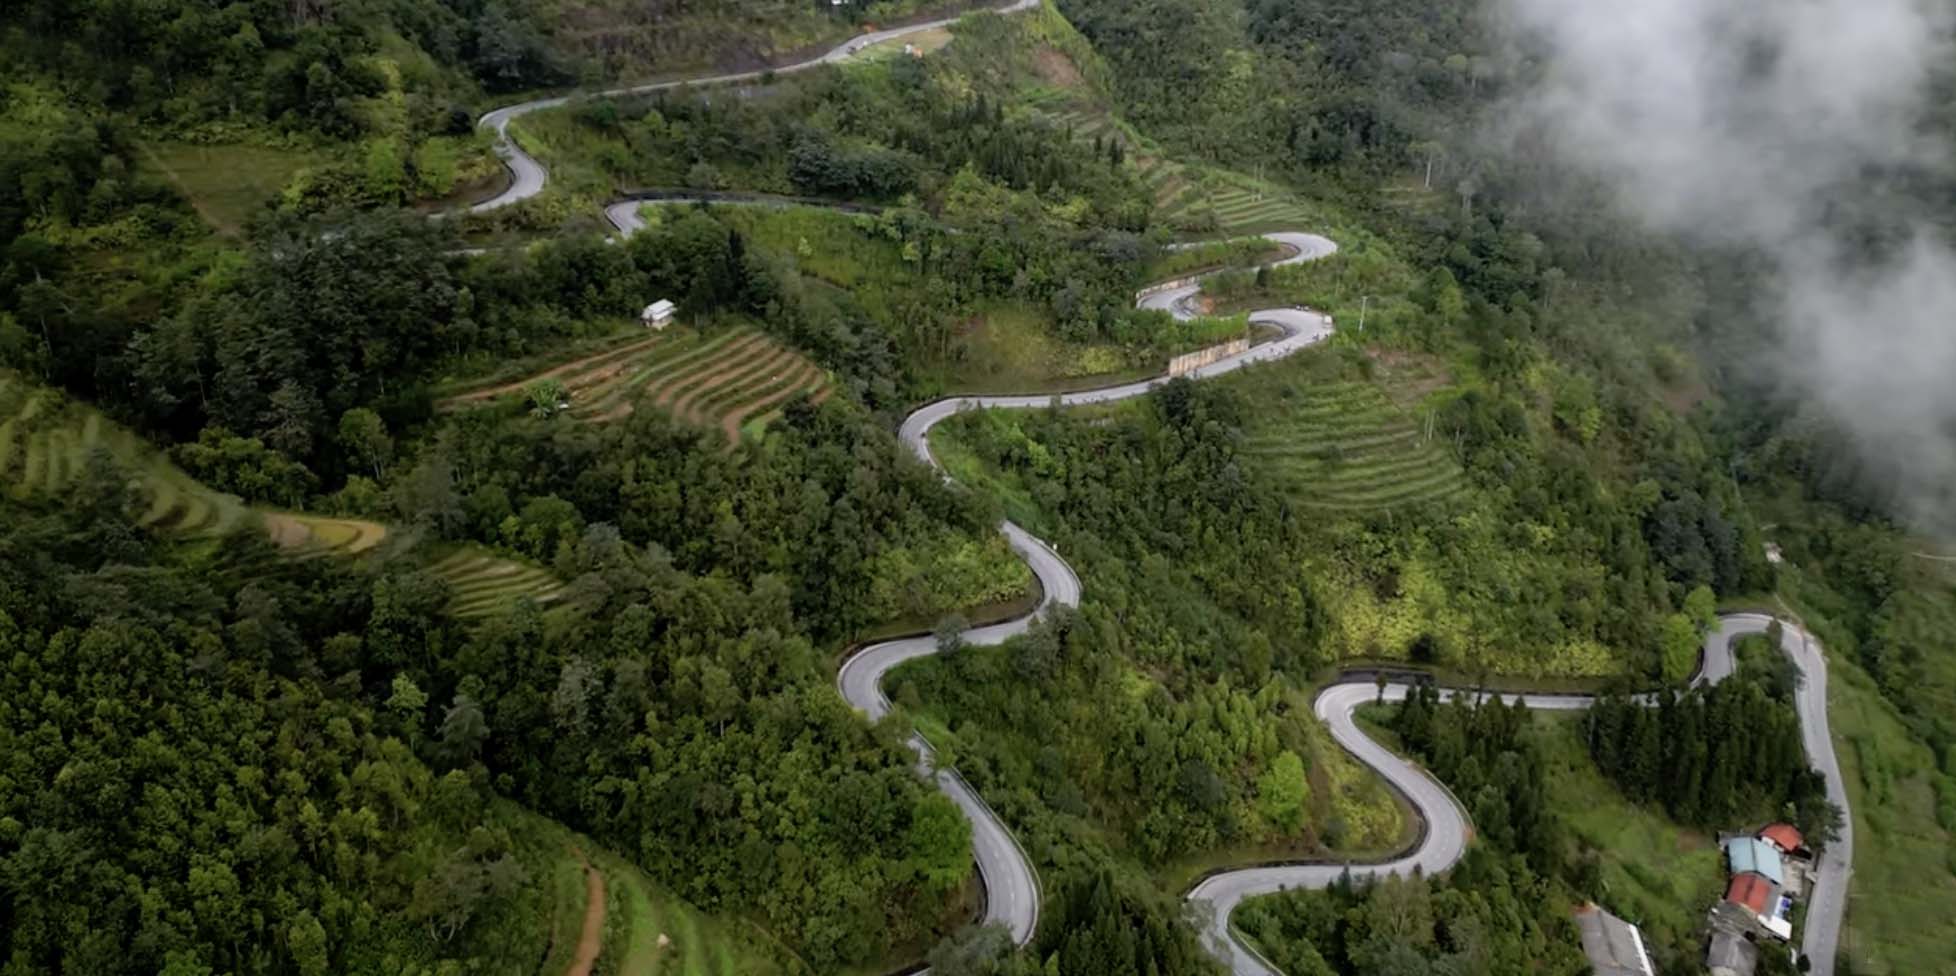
(1363, 301)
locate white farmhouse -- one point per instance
(658, 315)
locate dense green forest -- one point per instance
(183, 793)
(220, 758)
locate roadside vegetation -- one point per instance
(1552, 831)
(1882, 611)
(296, 487)
(1647, 867)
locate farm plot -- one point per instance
(1185, 196)
(46, 444)
(483, 583)
(1345, 446)
(726, 379)
(1232, 206)
(311, 535)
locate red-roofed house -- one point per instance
(1750, 890)
(1782, 836)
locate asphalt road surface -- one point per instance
(1447, 830)
(1011, 885)
(529, 176)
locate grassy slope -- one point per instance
(227, 183)
(1004, 347)
(1659, 874)
(544, 923)
(1899, 918)
(639, 913)
(1346, 445)
(1898, 913)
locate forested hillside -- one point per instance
(183, 793)
(1395, 109)
(605, 575)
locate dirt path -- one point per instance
(591, 941)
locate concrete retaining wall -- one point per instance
(1162, 286)
(1203, 357)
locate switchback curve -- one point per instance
(1012, 886)
(527, 176)
(1444, 840)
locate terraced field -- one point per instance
(45, 443)
(313, 535)
(730, 379)
(485, 583)
(1346, 447)
(1184, 195)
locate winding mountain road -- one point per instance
(1010, 883)
(529, 176)
(1012, 886)
(1447, 829)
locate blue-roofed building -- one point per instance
(1755, 855)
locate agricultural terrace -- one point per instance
(732, 379)
(482, 583)
(1189, 198)
(46, 441)
(1346, 446)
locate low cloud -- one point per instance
(1739, 123)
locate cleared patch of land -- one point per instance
(922, 42)
(484, 583)
(651, 933)
(315, 536)
(226, 183)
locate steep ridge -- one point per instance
(1011, 883)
